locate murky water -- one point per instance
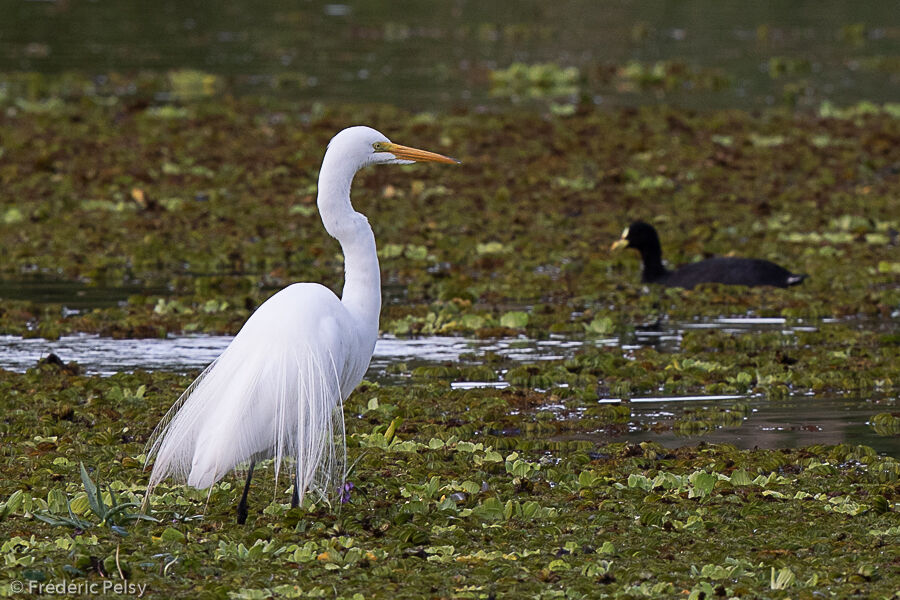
(429, 55)
(667, 336)
(796, 421)
(106, 356)
(73, 296)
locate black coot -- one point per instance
(733, 271)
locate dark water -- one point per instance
(792, 422)
(795, 421)
(72, 295)
(426, 55)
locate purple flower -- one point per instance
(344, 491)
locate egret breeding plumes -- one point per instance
(278, 389)
(728, 270)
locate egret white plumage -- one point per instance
(278, 389)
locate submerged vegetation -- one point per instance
(467, 493)
(215, 204)
(441, 503)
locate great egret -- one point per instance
(735, 271)
(278, 389)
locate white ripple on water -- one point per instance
(106, 356)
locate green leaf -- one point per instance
(491, 248)
(390, 251)
(415, 252)
(888, 267)
(783, 580)
(95, 499)
(71, 521)
(492, 456)
(304, 210)
(472, 321)
(392, 429)
(80, 504)
(530, 509)
(515, 319)
(489, 510)
(172, 535)
(57, 502)
(599, 326)
(119, 509)
(12, 504)
(880, 505)
(703, 483)
(639, 481)
(12, 216)
(470, 487)
(558, 565)
(741, 477)
(607, 548)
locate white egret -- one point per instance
(278, 389)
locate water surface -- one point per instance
(795, 421)
(74, 296)
(106, 356)
(441, 54)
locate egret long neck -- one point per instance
(362, 277)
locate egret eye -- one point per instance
(380, 147)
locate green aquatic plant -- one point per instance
(887, 424)
(115, 515)
(511, 511)
(457, 275)
(669, 75)
(862, 109)
(525, 490)
(543, 80)
(190, 84)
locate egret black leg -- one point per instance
(242, 505)
(295, 497)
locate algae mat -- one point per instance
(210, 207)
(215, 202)
(438, 507)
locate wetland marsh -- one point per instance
(535, 422)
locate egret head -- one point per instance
(364, 146)
(637, 235)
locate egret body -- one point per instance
(278, 389)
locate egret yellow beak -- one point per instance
(622, 243)
(407, 153)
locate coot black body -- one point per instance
(732, 271)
